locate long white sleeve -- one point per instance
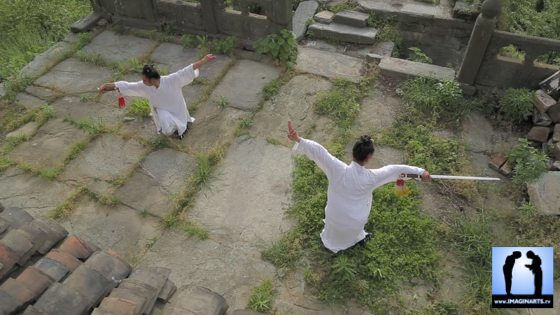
(391, 173)
(185, 75)
(332, 166)
(131, 88)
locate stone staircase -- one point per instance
(346, 26)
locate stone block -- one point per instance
(497, 161)
(544, 193)
(539, 134)
(543, 102)
(325, 17)
(344, 33)
(64, 258)
(34, 280)
(54, 233)
(340, 66)
(59, 299)
(556, 150)
(351, 18)
(143, 290)
(90, 284)
(551, 85)
(16, 217)
(405, 69)
(52, 268)
(556, 133)
(506, 169)
(304, 12)
(111, 267)
(77, 247)
(20, 293)
(130, 296)
(86, 24)
(554, 113)
(199, 300)
(30, 310)
(541, 119)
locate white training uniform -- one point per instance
(350, 194)
(169, 109)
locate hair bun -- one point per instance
(365, 139)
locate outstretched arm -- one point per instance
(391, 173)
(317, 153)
(190, 72)
(125, 88)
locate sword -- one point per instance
(448, 177)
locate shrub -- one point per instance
(416, 54)
(528, 162)
(140, 107)
(281, 46)
(517, 104)
(433, 97)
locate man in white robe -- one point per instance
(350, 191)
(167, 103)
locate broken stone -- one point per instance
(86, 24)
(351, 18)
(539, 134)
(401, 68)
(556, 133)
(541, 119)
(114, 47)
(304, 12)
(551, 85)
(344, 33)
(325, 17)
(543, 102)
(544, 193)
(506, 169)
(497, 161)
(27, 130)
(52, 268)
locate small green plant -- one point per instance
(223, 102)
(158, 142)
(517, 104)
(144, 213)
(140, 107)
(151, 242)
(92, 126)
(416, 54)
(193, 230)
(4, 163)
(124, 67)
(273, 141)
(15, 85)
(76, 150)
(286, 252)
(262, 297)
(50, 173)
(13, 142)
(205, 45)
(344, 269)
(170, 221)
(343, 6)
(341, 103)
(243, 126)
(433, 97)
(281, 46)
(528, 163)
(95, 59)
(511, 51)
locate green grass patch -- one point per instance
(341, 103)
(243, 126)
(194, 230)
(528, 162)
(18, 117)
(262, 297)
(209, 46)
(92, 126)
(343, 6)
(65, 210)
(442, 99)
(517, 105)
(140, 107)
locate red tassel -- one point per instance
(122, 102)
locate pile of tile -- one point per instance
(76, 277)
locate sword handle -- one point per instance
(413, 176)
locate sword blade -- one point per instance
(465, 178)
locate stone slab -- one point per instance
(479, 135)
(539, 134)
(43, 93)
(304, 12)
(545, 193)
(344, 33)
(34, 194)
(199, 300)
(407, 7)
(46, 60)
(541, 119)
(294, 101)
(29, 101)
(27, 130)
(339, 66)
(161, 176)
(51, 145)
(384, 49)
(106, 158)
(105, 111)
(351, 18)
(243, 84)
(85, 24)
(119, 228)
(378, 112)
(114, 47)
(141, 289)
(73, 76)
(543, 102)
(556, 134)
(404, 69)
(324, 17)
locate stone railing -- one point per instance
(206, 16)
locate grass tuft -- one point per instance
(262, 297)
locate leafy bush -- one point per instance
(528, 162)
(262, 297)
(281, 46)
(517, 104)
(416, 54)
(431, 96)
(521, 16)
(140, 107)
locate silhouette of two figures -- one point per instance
(535, 267)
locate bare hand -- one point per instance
(292, 133)
(101, 89)
(208, 58)
(426, 177)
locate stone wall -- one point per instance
(504, 72)
(208, 16)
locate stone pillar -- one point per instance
(208, 10)
(281, 14)
(480, 38)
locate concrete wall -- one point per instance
(498, 71)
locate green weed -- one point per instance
(517, 104)
(433, 97)
(193, 230)
(528, 163)
(140, 107)
(243, 126)
(281, 46)
(92, 126)
(416, 54)
(262, 297)
(340, 103)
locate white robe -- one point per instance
(169, 109)
(350, 194)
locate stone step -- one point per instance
(344, 33)
(405, 69)
(351, 18)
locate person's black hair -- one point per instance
(150, 72)
(362, 149)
